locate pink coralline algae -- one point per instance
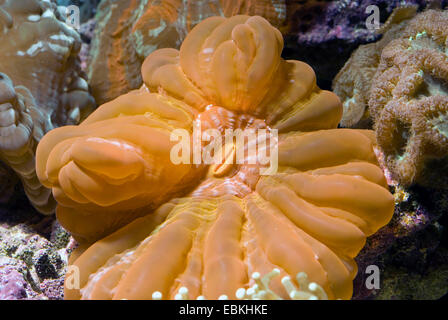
(33, 254)
(12, 284)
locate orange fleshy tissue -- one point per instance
(187, 231)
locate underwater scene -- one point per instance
(223, 150)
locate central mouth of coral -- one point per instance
(237, 146)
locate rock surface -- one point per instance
(411, 251)
(33, 252)
(325, 33)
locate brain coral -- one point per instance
(403, 80)
(409, 101)
(224, 226)
(128, 31)
(8, 182)
(352, 83)
(40, 86)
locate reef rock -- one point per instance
(33, 254)
(325, 33)
(12, 283)
(86, 31)
(128, 31)
(411, 252)
(41, 86)
(227, 223)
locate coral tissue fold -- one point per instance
(152, 229)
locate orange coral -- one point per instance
(128, 31)
(403, 80)
(104, 164)
(312, 215)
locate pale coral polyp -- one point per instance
(313, 215)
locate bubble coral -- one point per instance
(312, 215)
(128, 31)
(41, 86)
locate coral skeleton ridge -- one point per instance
(151, 229)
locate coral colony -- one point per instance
(41, 86)
(144, 26)
(224, 222)
(406, 90)
(179, 155)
